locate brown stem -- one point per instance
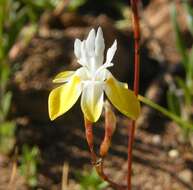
(131, 127)
(100, 170)
(136, 30)
(97, 162)
(131, 133)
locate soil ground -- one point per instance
(161, 160)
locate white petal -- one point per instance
(92, 100)
(99, 43)
(84, 58)
(101, 75)
(111, 52)
(77, 48)
(83, 73)
(83, 48)
(90, 42)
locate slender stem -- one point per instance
(131, 127)
(136, 29)
(131, 133)
(100, 170)
(97, 162)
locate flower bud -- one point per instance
(89, 133)
(110, 125)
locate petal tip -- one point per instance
(52, 118)
(92, 119)
(115, 42)
(100, 32)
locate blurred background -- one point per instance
(36, 42)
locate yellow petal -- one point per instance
(122, 98)
(92, 100)
(62, 98)
(63, 76)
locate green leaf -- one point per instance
(173, 102)
(16, 27)
(4, 74)
(6, 101)
(190, 71)
(185, 89)
(179, 120)
(189, 11)
(7, 129)
(75, 4)
(90, 181)
(29, 161)
(1, 116)
(32, 181)
(180, 44)
(7, 140)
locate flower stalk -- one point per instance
(100, 170)
(97, 162)
(131, 127)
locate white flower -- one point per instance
(92, 79)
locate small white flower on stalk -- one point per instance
(91, 80)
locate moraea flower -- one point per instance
(92, 80)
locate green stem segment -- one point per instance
(165, 112)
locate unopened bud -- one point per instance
(110, 125)
(89, 134)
